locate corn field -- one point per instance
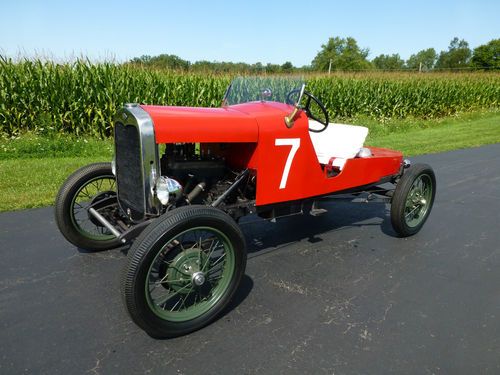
(81, 98)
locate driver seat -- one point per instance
(337, 143)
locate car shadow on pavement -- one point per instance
(122, 249)
(243, 291)
(387, 229)
(263, 236)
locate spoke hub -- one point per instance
(198, 278)
(185, 269)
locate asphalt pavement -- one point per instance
(334, 294)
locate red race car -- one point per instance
(182, 177)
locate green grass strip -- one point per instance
(447, 135)
(28, 183)
(56, 145)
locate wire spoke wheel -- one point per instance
(413, 199)
(95, 190)
(419, 200)
(183, 270)
(190, 274)
(91, 186)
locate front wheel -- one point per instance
(413, 199)
(91, 186)
(183, 270)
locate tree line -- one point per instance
(344, 54)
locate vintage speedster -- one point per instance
(182, 177)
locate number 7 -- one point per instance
(295, 143)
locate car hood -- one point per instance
(236, 123)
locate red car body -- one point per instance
(251, 131)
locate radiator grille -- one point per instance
(129, 178)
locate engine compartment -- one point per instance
(205, 174)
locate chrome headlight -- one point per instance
(168, 190)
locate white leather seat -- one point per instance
(338, 141)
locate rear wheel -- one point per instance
(93, 185)
(413, 199)
(183, 270)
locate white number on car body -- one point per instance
(295, 143)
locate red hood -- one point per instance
(237, 123)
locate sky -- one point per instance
(248, 31)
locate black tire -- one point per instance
(411, 205)
(151, 246)
(64, 208)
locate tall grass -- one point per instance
(81, 98)
(403, 95)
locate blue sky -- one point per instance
(249, 31)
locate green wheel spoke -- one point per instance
(169, 296)
(185, 298)
(411, 212)
(212, 247)
(218, 260)
(215, 278)
(215, 268)
(173, 308)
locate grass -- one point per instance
(470, 130)
(32, 168)
(38, 146)
(29, 183)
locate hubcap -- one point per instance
(198, 278)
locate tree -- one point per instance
(257, 67)
(487, 56)
(426, 57)
(287, 67)
(163, 61)
(345, 54)
(272, 68)
(388, 62)
(144, 59)
(457, 56)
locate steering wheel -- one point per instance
(307, 109)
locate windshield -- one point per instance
(263, 88)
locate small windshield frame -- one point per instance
(281, 89)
